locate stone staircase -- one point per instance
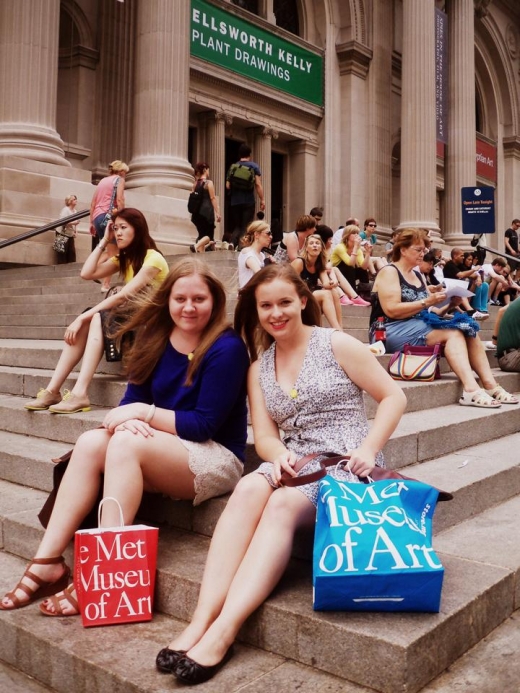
(285, 645)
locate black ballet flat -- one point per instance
(191, 673)
(167, 659)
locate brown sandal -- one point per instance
(56, 600)
(43, 589)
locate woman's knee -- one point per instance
(91, 447)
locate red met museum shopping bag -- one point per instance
(114, 573)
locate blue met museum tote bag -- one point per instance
(373, 548)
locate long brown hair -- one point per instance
(134, 255)
(247, 323)
(153, 324)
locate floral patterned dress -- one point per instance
(324, 412)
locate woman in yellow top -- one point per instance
(350, 257)
(140, 264)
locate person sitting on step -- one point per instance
(308, 381)
(402, 299)
(180, 429)
(140, 265)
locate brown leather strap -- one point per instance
(331, 459)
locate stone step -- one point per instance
(14, 681)
(107, 390)
(478, 595)
(25, 353)
(467, 474)
(61, 654)
(419, 436)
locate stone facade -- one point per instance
(84, 82)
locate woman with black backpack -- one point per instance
(203, 206)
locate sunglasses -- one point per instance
(371, 224)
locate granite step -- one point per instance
(63, 655)
(475, 483)
(479, 594)
(418, 437)
(107, 390)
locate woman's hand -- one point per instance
(135, 426)
(283, 463)
(72, 330)
(362, 462)
(109, 233)
(127, 412)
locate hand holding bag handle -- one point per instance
(332, 459)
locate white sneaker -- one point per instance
(478, 315)
(490, 346)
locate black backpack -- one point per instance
(195, 198)
(241, 177)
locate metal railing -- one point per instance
(497, 252)
(48, 227)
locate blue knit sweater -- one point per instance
(213, 407)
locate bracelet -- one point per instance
(101, 247)
(151, 414)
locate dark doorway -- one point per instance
(277, 168)
(232, 147)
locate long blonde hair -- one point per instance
(321, 260)
(153, 324)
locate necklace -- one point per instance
(293, 394)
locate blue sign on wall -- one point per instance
(478, 210)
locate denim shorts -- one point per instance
(401, 332)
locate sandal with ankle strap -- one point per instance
(502, 396)
(56, 601)
(43, 588)
(479, 398)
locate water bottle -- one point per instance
(380, 331)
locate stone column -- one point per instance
(262, 156)
(29, 42)
(216, 155)
(460, 162)
(303, 174)
(380, 123)
(418, 126)
(161, 96)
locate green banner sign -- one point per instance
(224, 39)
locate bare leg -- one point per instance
(69, 357)
(93, 351)
(259, 571)
(76, 496)
(479, 362)
(344, 284)
(328, 309)
(231, 539)
(135, 463)
(337, 307)
(456, 351)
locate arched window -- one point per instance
(286, 13)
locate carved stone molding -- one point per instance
(512, 41)
(354, 58)
(511, 147)
(482, 8)
(226, 117)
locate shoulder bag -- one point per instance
(420, 363)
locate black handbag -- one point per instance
(61, 464)
(61, 242)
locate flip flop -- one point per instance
(479, 398)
